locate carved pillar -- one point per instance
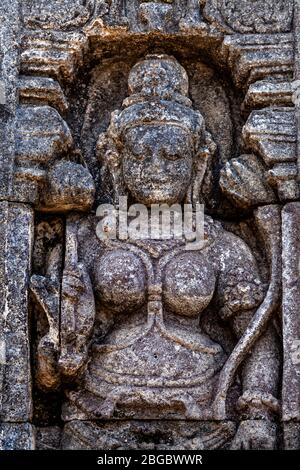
(16, 241)
(291, 325)
(9, 37)
(31, 139)
(291, 276)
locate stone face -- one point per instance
(9, 33)
(117, 332)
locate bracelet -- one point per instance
(258, 400)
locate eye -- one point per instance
(176, 150)
(172, 156)
(137, 151)
(174, 153)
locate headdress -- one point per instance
(158, 87)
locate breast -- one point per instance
(120, 281)
(188, 284)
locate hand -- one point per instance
(73, 285)
(255, 435)
(77, 320)
(70, 187)
(47, 375)
(71, 364)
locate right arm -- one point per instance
(77, 320)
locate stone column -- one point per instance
(16, 239)
(291, 286)
(16, 236)
(291, 325)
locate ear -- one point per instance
(207, 147)
(111, 167)
(107, 152)
(204, 154)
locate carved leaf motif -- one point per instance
(57, 14)
(250, 16)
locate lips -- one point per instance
(155, 180)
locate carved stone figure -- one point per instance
(156, 15)
(132, 339)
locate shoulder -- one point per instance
(227, 246)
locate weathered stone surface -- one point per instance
(17, 436)
(291, 435)
(248, 16)
(45, 91)
(15, 263)
(56, 54)
(45, 289)
(48, 438)
(9, 34)
(243, 180)
(70, 187)
(117, 341)
(176, 371)
(269, 93)
(290, 312)
(272, 133)
(36, 150)
(254, 57)
(158, 435)
(41, 136)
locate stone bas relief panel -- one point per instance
(137, 315)
(140, 342)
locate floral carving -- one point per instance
(64, 14)
(250, 16)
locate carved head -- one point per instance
(155, 145)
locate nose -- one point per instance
(157, 160)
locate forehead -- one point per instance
(147, 132)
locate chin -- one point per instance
(159, 197)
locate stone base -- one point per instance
(160, 435)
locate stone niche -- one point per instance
(148, 342)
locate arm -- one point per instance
(46, 293)
(258, 405)
(77, 320)
(260, 374)
(77, 309)
(67, 301)
(240, 294)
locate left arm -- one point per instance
(240, 293)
